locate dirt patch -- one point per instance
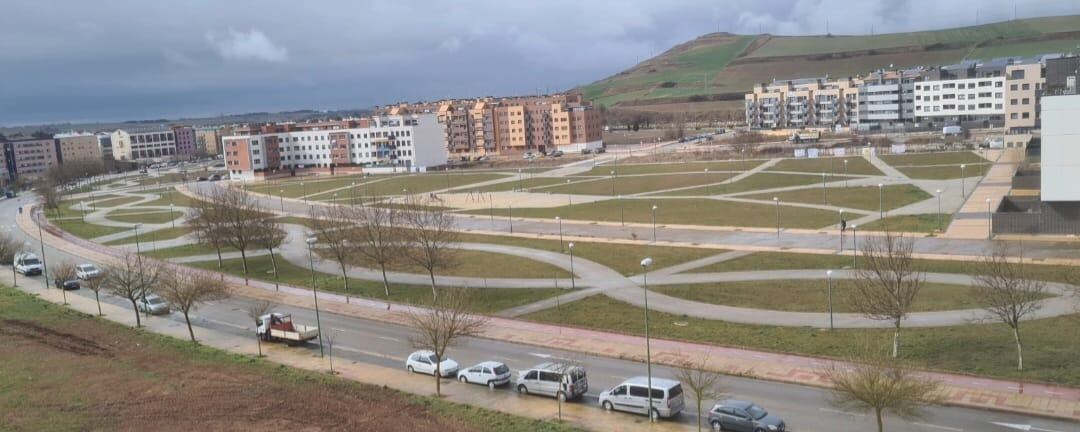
(80, 374)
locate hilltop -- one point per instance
(710, 73)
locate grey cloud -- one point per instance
(250, 45)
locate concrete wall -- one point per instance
(1061, 148)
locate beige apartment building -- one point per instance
(207, 140)
(803, 103)
(1024, 85)
(514, 125)
(29, 157)
(77, 146)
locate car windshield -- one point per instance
(155, 300)
(501, 369)
(431, 358)
(31, 261)
(756, 412)
(87, 268)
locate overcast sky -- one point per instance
(89, 60)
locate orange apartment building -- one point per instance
(514, 125)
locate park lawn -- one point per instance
(467, 263)
(796, 261)
(764, 180)
(486, 300)
(983, 349)
(942, 158)
(858, 197)
(811, 295)
(190, 249)
(623, 258)
(67, 209)
(415, 183)
(627, 185)
(85, 230)
(680, 211)
(65, 370)
(169, 196)
(922, 223)
(667, 168)
(856, 165)
(145, 216)
(945, 172)
(527, 184)
(115, 202)
(152, 236)
(296, 187)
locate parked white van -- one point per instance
(27, 263)
(558, 380)
(632, 395)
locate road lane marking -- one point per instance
(934, 426)
(836, 411)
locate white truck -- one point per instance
(277, 327)
(27, 263)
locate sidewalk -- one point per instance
(972, 221)
(960, 390)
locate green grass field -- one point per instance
(115, 202)
(920, 223)
(810, 295)
(666, 168)
(152, 236)
(525, 183)
(859, 197)
(469, 263)
(762, 180)
(85, 230)
(627, 185)
(945, 172)
(833, 165)
(487, 300)
(418, 183)
(170, 196)
(944, 158)
(680, 211)
(986, 349)
(298, 187)
(145, 216)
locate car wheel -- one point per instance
(522, 389)
(561, 396)
(463, 379)
(491, 385)
(716, 426)
(410, 368)
(607, 406)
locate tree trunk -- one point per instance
(880, 420)
(138, 319)
(217, 248)
(438, 375)
(1019, 349)
(273, 262)
(243, 259)
(698, 414)
(896, 340)
(98, 300)
(189, 330)
(434, 294)
(345, 277)
(258, 342)
(385, 281)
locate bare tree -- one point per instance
(441, 324)
(185, 289)
(8, 246)
(429, 237)
(703, 384)
(131, 280)
(1004, 289)
(329, 225)
(269, 236)
(96, 284)
(329, 339)
(882, 386)
(207, 222)
(887, 282)
(377, 236)
(50, 195)
(255, 311)
(61, 273)
(241, 222)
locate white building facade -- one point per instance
(961, 100)
(145, 145)
(1061, 148)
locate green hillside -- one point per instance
(721, 66)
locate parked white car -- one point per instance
(27, 263)
(424, 362)
(153, 304)
(489, 373)
(86, 271)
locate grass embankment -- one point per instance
(143, 216)
(487, 300)
(85, 230)
(633, 184)
(666, 168)
(63, 370)
(986, 349)
(858, 197)
(759, 181)
(679, 211)
(856, 165)
(919, 223)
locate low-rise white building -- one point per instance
(143, 145)
(961, 100)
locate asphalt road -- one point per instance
(362, 341)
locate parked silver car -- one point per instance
(742, 416)
(489, 373)
(153, 304)
(632, 396)
(558, 380)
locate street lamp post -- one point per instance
(842, 230)
(352, 194)
(989, 221)
(82, 206)
(938, 209)
(706, 181)
(314, 292)
(645, 263)
(824, 191)
(654, 223)
(172, 212)
(881, 201)
(303, 190)
(519, 179)
(828, 277)
(854, 247)
(510, 216)
(845, 174)
(613, 182)
(41, 242)
(281, 197)
(559, 220)
(963, 186)
(777, 201)
(573, 284)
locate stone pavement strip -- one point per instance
(960, 390)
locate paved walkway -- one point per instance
(972, 221)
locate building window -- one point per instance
(1026, 101)
(1012, 87)
(1027, 115)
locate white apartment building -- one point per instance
(143, 145)
(961, 100)
(886, 98)
(410, 142)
